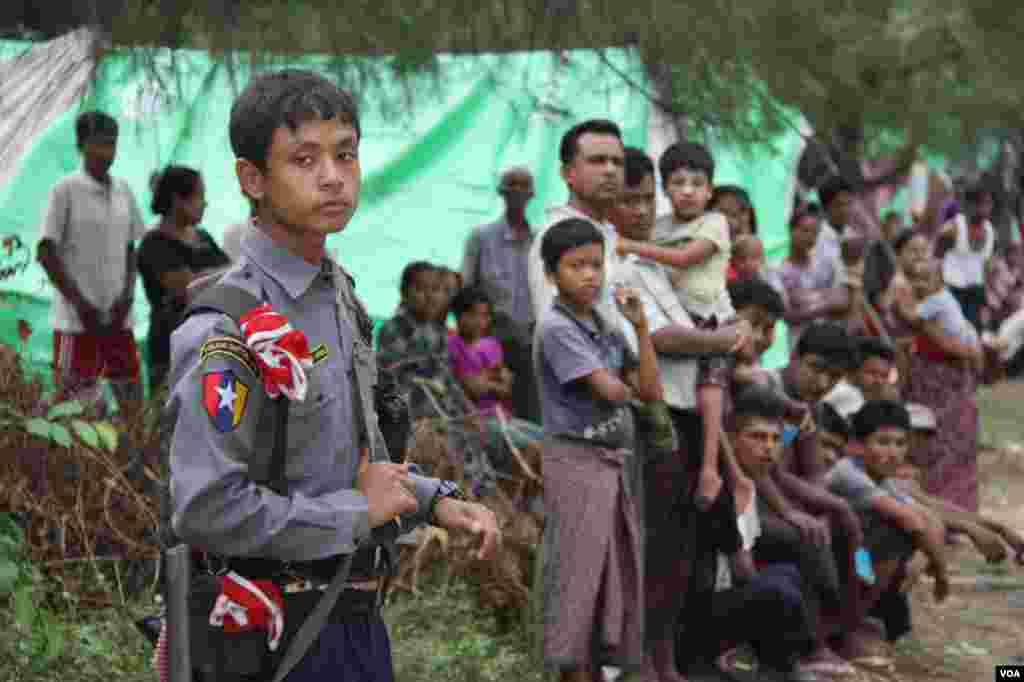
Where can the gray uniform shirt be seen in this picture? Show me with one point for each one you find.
(224, 416)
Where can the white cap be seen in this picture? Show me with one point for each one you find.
(846, 399)
(922, 418)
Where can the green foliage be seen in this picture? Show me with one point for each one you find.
(55, 426)
(22, 585)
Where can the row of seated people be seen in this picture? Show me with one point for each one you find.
(823, 538)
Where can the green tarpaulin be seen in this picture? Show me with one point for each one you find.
(429, 173)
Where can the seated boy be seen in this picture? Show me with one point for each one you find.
(990, 537)
(872, 377)
(802, 523)
(894, 526)
(413, 345)
(763, 605)
(413, 342)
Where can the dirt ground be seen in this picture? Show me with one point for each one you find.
(981, 624)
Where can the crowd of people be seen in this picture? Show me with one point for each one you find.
(696, 503)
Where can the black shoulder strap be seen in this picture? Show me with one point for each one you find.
(235, 302)
(223, 298)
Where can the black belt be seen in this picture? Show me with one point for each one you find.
(258, 568)
(365, 566)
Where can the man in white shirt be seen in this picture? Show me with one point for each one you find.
(86, 247)
(669, 518)
(592, 167)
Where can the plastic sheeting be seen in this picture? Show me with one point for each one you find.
(429, 174)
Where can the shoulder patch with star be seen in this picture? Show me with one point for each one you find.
(225, 398)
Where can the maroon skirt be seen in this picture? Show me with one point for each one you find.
(950, 462)
(593, 579)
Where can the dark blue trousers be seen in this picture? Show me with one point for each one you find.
(357, 650)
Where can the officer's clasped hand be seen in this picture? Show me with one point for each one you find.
(388, 488)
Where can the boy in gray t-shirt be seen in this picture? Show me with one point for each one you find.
(894, 527)
(592, 539)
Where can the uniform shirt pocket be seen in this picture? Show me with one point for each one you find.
(313, 427)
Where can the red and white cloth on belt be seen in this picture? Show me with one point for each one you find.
(246, 604)
(242, 605)
(281, 350)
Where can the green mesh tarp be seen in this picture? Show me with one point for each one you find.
(430, 161)
(430, 167)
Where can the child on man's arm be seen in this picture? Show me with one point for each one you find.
(695, 243)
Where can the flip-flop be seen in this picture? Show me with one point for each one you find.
(875, 662)
(836, 668)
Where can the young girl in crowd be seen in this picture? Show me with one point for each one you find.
(478, 363)
(593, 579)
(734, 203)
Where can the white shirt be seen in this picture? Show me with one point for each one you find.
(828, 249)
(962, 266)
(91, 225)
(749, 525)
(663, 307)
(543, 291)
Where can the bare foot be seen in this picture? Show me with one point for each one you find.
(826, 662)
(857, 645)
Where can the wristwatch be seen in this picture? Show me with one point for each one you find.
(447, 489)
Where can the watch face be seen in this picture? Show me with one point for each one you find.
(450, 489)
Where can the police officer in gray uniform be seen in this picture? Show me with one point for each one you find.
(295, 136)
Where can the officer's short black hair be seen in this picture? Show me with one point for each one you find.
(757, 402)
(412, 271)
(467, 298)
(829, 420)
(828, 340)
(873, 347)
(566, 235)
(692, 156)
(831, 189)
(570, 145)
(754, 291)
(174, 181)
(878, 414)
(638, 166)
(289, 97)
(93, 125)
